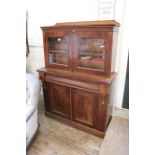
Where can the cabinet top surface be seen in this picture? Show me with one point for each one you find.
(98, 23)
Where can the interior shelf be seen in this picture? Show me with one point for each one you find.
(58, 51)
(91, 54)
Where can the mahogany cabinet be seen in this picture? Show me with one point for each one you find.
(77, 76)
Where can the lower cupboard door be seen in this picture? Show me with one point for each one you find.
(60, 100)
(88, 109)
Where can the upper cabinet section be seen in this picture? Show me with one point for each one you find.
(81, 46)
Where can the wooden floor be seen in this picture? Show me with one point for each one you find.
(55, 138)
(116, 141)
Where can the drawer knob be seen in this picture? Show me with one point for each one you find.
(73, 30)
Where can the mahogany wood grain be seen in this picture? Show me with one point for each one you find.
(59, 98)
(46, 95)
(91, 78)
(73, 35)
(79, 96)
(100, 113)
(83, 103)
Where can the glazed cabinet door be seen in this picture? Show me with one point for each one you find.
(59, 100)
(57, 48)
(91, 52)
(88, 109)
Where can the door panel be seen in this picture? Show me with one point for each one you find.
(83, 107)
(89, 109)
(90, 52)
(58, 49)
(60, 100)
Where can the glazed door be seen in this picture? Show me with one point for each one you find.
(90, 52)
(60, 100)
(58, 49)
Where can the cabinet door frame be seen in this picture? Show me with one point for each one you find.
(92, 35)
(99, 107)
(61, 33)
(51, 101)
(77, 120)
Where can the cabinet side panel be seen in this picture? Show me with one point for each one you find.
(110, 103)
(46, 96)
(114, 52)
(45, 49)
(100, 113)
(108, 53)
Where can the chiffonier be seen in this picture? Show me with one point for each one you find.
(77, 76)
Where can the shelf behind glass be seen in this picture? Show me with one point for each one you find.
(58, 50)
(91, 53)
(58, 58)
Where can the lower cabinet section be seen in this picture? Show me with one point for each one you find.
(83, 109)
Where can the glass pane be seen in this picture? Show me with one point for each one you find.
(91, 53)
(58, 50)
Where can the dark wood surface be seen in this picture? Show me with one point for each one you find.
(77, 101)
(43, 72)
(59, 98)
(79, 96)
(73, 33)
(83, 104)
(46, 94)
(87, 24)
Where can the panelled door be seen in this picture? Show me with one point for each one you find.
(83, 104)
(60, 100)
(89, 109)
